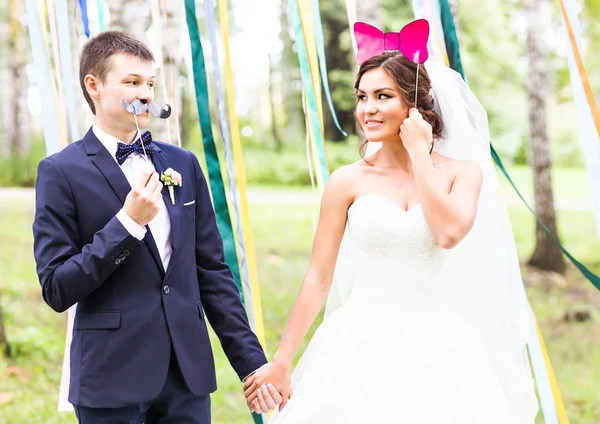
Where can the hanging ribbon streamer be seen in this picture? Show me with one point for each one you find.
(540, 362)
(587, 109)
(101, 17)
(241, 174)
(352, 19)
(66, 64)
(173, 81)
(320, 42)
(424, 9)
(62, 112)
(539, 358)
(310, 83)
(43, 75)
(52, 137)
(212, 30)
(450, 38)
(84, 17)
(159, 59)
(210, 150)
(61, 125)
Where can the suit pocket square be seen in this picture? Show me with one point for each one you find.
(189, 203)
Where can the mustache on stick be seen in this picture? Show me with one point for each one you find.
(137, 107)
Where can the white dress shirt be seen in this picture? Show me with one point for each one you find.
(160, 226)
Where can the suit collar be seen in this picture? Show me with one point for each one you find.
(96, 139)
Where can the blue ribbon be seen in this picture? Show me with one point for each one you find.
(320, 41)
(84, 17)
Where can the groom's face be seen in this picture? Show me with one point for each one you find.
(380, 108)
(129, 78)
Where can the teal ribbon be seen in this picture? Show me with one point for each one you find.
(308, 88)
(454, 52)
(210, 150)
(101, 19)
(320, 41)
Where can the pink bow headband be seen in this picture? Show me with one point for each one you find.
(411, 41)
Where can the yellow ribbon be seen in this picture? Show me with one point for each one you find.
(558, 401)
(306, 19)
(241, 175)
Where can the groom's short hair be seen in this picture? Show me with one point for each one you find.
(96, 56)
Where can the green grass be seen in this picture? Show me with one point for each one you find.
(283, 238)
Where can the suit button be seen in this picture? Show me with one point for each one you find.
(117, 261)
(166, 289)
(122, 257)
(126, 252)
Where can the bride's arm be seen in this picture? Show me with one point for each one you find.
(315, 286)
(449, 215)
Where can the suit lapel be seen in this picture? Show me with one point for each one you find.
(107, 165)
(118, 182)
(161, 164)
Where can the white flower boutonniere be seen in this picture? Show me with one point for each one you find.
(171, 178)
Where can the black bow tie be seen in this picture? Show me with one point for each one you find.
(124, 150)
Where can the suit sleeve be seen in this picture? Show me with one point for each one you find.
(69, 272)
(218, 291)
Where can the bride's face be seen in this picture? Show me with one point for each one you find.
(380, 109)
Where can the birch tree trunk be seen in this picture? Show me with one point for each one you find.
(547, 255)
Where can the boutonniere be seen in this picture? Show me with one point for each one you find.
(171, 178)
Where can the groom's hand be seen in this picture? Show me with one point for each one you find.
(143, 201)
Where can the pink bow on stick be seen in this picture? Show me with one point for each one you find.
(411, 41)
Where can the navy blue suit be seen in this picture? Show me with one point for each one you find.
(131, 313)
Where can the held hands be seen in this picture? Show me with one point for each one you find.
(144, 200)
(416, 133)
(268, 387)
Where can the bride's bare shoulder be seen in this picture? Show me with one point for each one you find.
(454, 166)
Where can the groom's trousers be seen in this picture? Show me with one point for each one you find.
(175, 405)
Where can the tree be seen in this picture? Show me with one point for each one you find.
(547, 255)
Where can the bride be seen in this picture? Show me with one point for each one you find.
(426, 320)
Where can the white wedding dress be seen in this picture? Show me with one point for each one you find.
(395, 352)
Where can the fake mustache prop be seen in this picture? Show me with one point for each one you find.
(137, 107)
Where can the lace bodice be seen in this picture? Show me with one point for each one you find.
(393, 255)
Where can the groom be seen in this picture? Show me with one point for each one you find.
(145, 271)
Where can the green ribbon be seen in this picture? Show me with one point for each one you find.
(210, 150)
(593, 278)
(455, 63)
(308, 88)
(450, 38)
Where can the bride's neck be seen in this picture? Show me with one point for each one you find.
(393, 155)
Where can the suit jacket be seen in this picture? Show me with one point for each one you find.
(130, 310)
